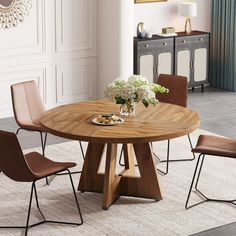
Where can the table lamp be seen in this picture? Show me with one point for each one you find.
(188, 9)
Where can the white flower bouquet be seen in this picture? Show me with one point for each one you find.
(136, 89)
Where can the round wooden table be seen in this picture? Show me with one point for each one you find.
(162, 122)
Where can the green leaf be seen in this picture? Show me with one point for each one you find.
(120, 100)
(145, 103)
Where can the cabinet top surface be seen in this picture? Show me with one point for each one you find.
(179, 34)
(193, 33)
(164, 121)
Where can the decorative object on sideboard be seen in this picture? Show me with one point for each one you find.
(141, 32)
(13, 11)
(167, 32)
(146, 1)
(188, 10)
(149, 34)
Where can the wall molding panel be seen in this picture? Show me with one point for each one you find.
(75, 25)
(82, 88)
(56, 46)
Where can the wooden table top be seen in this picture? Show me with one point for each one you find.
(164, 121)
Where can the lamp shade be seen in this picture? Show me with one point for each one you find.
(188, 9)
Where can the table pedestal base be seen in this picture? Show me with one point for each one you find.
(125, 183)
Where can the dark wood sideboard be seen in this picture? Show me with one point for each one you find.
(186, 55)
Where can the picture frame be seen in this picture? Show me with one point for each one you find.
(148, 1)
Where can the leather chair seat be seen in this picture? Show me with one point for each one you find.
(42, 166)
(33, 127)
(217, 146)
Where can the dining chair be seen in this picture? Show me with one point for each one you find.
(210, 146)
(31, 168)
(178, 95)
(28, 108)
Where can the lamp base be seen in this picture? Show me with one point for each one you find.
(188, 26)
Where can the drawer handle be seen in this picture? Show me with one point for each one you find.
(201, 39)
(183, 41)
(146, 46)
(164, 44)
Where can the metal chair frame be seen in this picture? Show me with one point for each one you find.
(200, 162)
(120, 163)
(43, 141)
(33, 190)
(168, 160)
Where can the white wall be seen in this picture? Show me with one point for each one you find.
(56, 46)
(162, 14)
(115, 41)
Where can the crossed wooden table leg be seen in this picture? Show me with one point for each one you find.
(125, 183)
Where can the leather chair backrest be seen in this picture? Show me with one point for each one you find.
(12, 160)
(27, 103)
(178, 89)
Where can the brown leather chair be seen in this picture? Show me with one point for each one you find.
(30, 168)
(28, 108)
(208, 146)
(178, 95)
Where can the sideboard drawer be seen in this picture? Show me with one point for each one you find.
(187, 40)
(161, 43)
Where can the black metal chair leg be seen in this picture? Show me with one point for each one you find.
(167, 160)
(57, 222)
(186, 159)
(191, 146)
(29, 210)
(43, 141)
(191, 186)
(18, 131)
(199, 172)
(206, 199)
(43, 145)
(81, 148)
(76, 200)
(27, 226)
(121, 164)
(28, 216)
(173, 160)
(37, 202)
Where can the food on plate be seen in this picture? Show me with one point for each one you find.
(108, 119)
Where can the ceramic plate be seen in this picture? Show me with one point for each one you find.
(94, 120)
